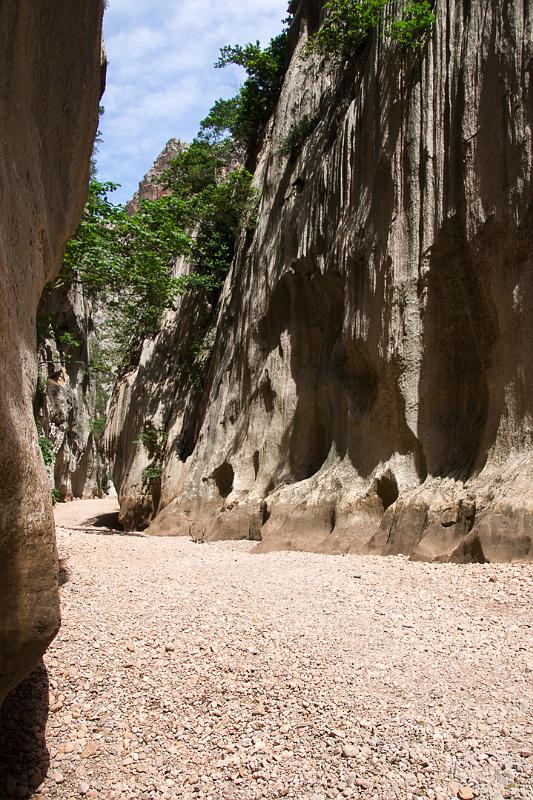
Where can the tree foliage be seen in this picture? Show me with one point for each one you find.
(415, 24)
(125, 261)
(243, 117)
(219, 201)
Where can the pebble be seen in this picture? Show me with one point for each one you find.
(349, 751)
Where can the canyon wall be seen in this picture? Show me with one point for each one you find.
(72, 392)
(370, 378)
(51, 79)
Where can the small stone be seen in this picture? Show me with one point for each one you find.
(57, 776)
(83, 788)
(170, 648)
(465, 793)
(338, 734)
(90, 750)
(349, 751)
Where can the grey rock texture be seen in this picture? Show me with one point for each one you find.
(371, 380)
(50, 83)
(72, 394)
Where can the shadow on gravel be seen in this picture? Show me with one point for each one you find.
(107, 525)
(108, 521)
(64, 574)
(24, 757)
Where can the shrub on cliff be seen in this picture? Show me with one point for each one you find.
(349, 23)
(415, 24)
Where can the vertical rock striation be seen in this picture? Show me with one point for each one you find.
(371, 378)
(50, 83)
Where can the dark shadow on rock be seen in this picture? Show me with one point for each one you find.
(24, 757)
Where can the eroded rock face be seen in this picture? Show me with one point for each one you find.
(50, 83)
(371, 379)
(72, 395)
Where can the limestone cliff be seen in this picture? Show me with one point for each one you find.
(50, 83)
(71, 398)
(370, 381)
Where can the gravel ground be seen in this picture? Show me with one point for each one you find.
(185, 670)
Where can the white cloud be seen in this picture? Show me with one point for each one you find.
(161, 79)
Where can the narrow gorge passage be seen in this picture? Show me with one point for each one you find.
(266, 415)
(185, 670)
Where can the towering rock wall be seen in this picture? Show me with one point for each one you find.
(50, 83)
(371, 379)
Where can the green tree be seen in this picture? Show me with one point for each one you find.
(243, 117)
(125, 262)
(347, 25)
(219, 199)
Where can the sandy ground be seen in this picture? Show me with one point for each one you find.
(185, 670)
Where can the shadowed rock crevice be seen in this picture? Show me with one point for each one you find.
(460, 333)
(224, 477)
(386, 488)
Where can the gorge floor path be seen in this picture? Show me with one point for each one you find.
(188, 670)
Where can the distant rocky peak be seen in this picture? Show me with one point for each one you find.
(149, 187)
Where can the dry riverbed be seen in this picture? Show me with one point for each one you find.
(185, 670)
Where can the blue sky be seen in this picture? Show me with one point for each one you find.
(161, 82)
